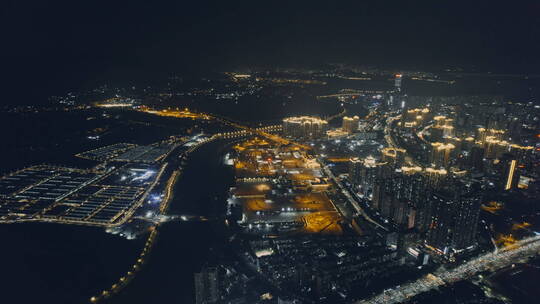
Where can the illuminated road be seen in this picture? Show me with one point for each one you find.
(389, 137)
(387, 131)
(283, 141)
(488, 262)
(272, 137)
(135, 206)
(162, 218)
(349, 197)
(229, 122)
(157, 219)
(340, 114)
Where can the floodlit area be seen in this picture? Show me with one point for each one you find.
(281, 189)
(177, 113)
(73, 196)
(147, 154)
(107, 152)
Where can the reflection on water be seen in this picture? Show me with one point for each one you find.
(182, 248)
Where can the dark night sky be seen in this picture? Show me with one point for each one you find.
(48, 47)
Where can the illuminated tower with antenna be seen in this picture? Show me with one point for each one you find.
(397, 82)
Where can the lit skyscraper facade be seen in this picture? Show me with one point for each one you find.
(454, 213)
(350, 124)
(397, 82)
(305, 127)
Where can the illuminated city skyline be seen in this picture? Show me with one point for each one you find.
(270, 153)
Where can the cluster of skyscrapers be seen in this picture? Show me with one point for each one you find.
(431, 188)
(410, 179)
(479, 151)
(425, 202)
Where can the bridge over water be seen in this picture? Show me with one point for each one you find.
(161, 218)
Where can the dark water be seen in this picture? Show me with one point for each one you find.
(53, 263)
(54, 137)
(182, 248)
(267, 108)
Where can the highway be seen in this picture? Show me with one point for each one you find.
(491, 261)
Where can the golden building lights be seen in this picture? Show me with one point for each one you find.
(350, 124)
(440, 155)
(411, 170)
(415, 115)
(410, 124)
(439, 121)
(435, 176)
(448, 131)
(370, 162)
(511, 173)
(494, 147)
(304, 126)
(393, 156)
(483, 134)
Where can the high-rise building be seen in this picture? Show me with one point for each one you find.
(411, 188)
(435, 177)
(440, 154)
(363, 173)
(384, 197)
(207, 286)
(508, 177)
(355, 166)
(494, 147)
(400, 195)
(381, 188)
(390, 101)
(515, 126)
(523, 154)
(397, 82)
(476, 158)
(415, 116)
(368, 175)
(439, 121)
(400, 211)
(454, 213)
(304, 127)
(456, 141)
(467, 144)
(448, 131)
(481, 134)
(437, 133)
(466, 221)
(350, 124)
(496, 121)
